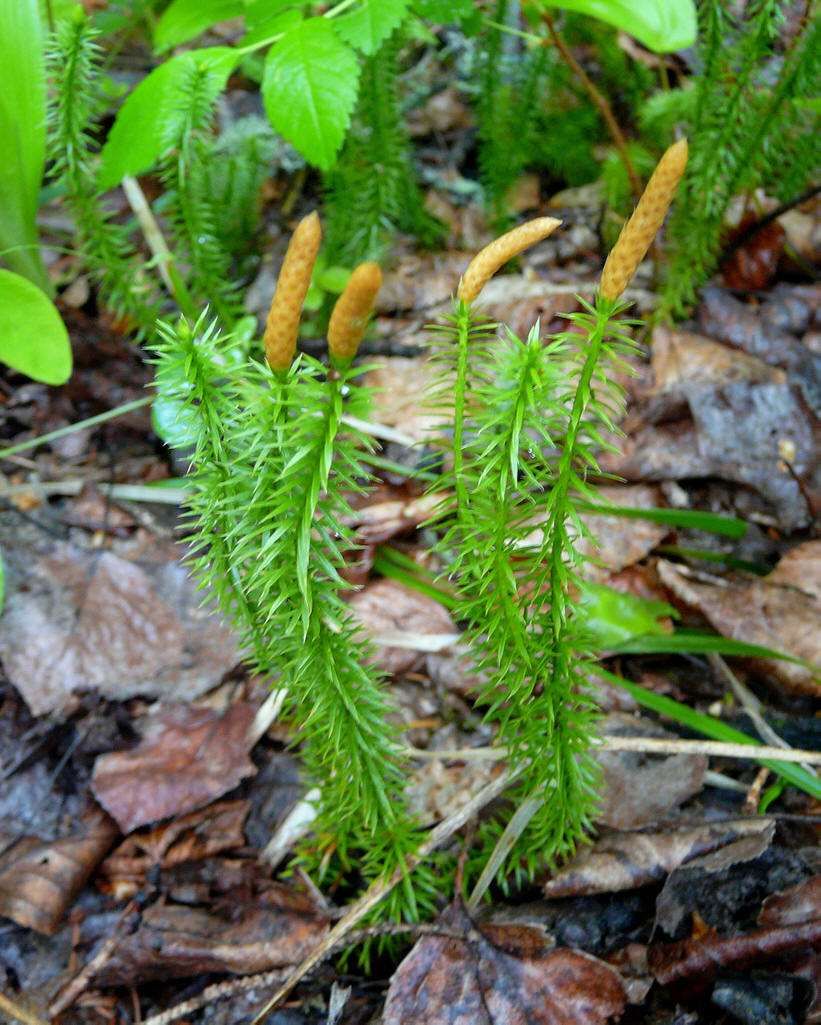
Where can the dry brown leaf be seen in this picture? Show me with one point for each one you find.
(626, 861)
(39, 879)
(500, 975)
(202, 834)
(621, 542)
(380, 521)
(801, 903)
(278, 928)
(187, 757)
(437, 790)
(388, 609)
(77, 619)
(401, 385)
(779, 611)
(683, 360)
(639, 789)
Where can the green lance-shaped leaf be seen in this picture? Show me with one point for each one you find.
(33, 338)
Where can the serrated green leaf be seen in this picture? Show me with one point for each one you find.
(265, 19)
(33, 338)
(23, 130)
(146, 120)
(369, 25)
(309, 89)
(185, 19)
(661, 25)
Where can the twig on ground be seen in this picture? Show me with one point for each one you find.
(18, 1013)
(382, 887)
(61, 432)
(219, 991)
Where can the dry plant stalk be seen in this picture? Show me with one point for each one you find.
(638, 233)
(282, 325)
(485, 264)
(352, 310)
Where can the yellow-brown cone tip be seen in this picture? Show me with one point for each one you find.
(485, 264)
(638, 233)
(352, 310)
(282, 325)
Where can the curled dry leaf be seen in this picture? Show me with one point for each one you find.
(380, 521)
(39, 879)
(202, 834)
(187, 757)
(779, 611)
(639, 789)
(500, 975)
(801, 903)
(278, 928)
(626, 861)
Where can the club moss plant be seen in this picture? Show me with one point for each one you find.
(275, 465)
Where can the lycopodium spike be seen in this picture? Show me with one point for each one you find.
(282, 326)
(639, 232)
(485, 264)
(352, 310)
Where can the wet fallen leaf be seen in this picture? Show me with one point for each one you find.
(406, 623)
(202, 834)
(779, 611)
(752, 265)
(187, 757)
(121, 624)
(275, 929)
(625, 861)
(39, 879)
(801, 903)
(500, 975)
(638, 789)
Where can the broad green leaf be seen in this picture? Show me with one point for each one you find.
(613, 617)
(23, 131)
(33, 338)
(661, 25)
(184, 19)
(709, 726)
(149, 117)
(266, 19)
(309, 89)
(370, 23)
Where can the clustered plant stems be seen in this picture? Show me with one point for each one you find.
(528, 418)
(274, 460)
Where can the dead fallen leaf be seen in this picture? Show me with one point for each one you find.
(121, 624)
(278, 928)
(626, 861)
(639, 789)
(779, 611)
(680, 897)
(620, 542)
(725, 318)
(202, 834)
(437, 790)
(801, 903)
(39, 879)
(400, 386)
(500, 975)
(392, 612)
(378, 522)
(187, 757)
(683, 360)
(752, 265)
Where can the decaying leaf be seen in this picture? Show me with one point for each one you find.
(188, 757)
(500, 975)
(404, 623)
(639, 789)
(277, 929)
(202, 834)
(39, 879)
(438, 790)
(121, 624)
(780, 611)
(625, 861)
(801, 903)
(621, 542)
(400, 384)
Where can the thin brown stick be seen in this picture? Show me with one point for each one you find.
(219, 991)
(382, 887)
(599, 101)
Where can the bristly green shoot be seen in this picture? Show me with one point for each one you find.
(74, 61)
(270, 473)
